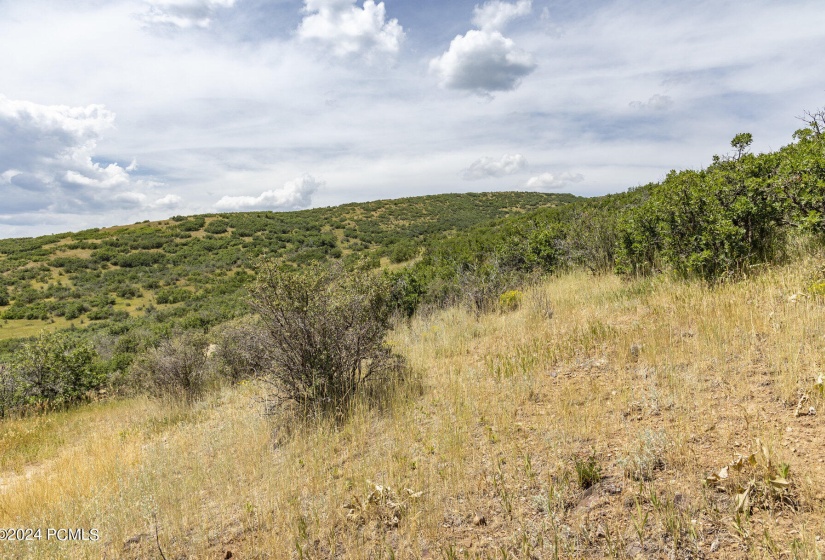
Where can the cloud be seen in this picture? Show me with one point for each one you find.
(483, 62)
(294, 195)
(346, 29)
(550, 181)
(184, 14)
(47, 160)
(494, 15)
(657, 102)
(491, 167)
(168, 201)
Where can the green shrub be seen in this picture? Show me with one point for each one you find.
(326, 327)
(75, 309)
(217, 226)
(140, 259)
(128, 291)
(403, 251)
(172, 295)
(588, 471)
(55, 369)
(71, 264)
(192, 224)
(11, 390)
(710, 223)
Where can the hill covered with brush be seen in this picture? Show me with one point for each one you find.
(633, 375)
(189, 272)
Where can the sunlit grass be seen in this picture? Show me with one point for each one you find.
(676, 376)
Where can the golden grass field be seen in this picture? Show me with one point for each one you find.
(644, 388)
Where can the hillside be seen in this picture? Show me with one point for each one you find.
(502, 375)
(588, 423)
(188, 271)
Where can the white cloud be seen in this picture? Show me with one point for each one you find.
(657, 102)
(550, 181)
(494, 14)
(347, 29)
(48, 158)
(226, 111)
(483, 62)
(294, 195)
(184, 14)
(168, 201)
(491, 167)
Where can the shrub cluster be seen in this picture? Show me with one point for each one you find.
(175, 368)
(52, 370)
(326, 326)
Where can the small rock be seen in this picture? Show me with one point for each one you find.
(613, 488)
(634, 550)
(714, 546)
(479, 520)
(228, 555)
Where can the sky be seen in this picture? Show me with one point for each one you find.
(118, 111)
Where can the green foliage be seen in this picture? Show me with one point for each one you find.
(817, 288)
(128, 291)
(54, 369)
(403, 251)
(407, 293)
(217, 227)
(172, 295)
(741, 142)
(192, 224)
(11, 390)
(140, 259)
(708, 223)
(510, 300)
(71, 264)
(588, 470)
(326, 327)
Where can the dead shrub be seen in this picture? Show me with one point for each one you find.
(175, 369)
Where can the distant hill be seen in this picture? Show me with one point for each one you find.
(187, 271)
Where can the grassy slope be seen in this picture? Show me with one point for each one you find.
(51, 273)
(668, 375)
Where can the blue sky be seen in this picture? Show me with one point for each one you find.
(116, 111)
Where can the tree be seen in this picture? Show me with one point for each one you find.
(741, 142)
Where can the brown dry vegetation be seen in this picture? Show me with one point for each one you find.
(656, 384)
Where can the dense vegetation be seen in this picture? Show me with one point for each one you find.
(716, 224)
(136, 288)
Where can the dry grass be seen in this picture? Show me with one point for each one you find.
(22, 328)
(655, 384)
